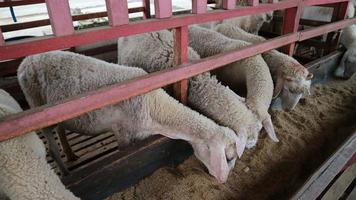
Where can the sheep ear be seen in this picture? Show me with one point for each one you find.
(218, 163)
(310, 76)
(267, 124)
(278, 87)
(240, 142)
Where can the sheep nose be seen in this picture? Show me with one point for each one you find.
(269, 17)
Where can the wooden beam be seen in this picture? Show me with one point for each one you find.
(291, 24)
(229, 4)
(199, 6)
(60, 17)
(117, 12)
(320, 2)
(163, 8)
(180, 57)
(4, 4)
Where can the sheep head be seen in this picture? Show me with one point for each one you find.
(291, 84)
(219, 153)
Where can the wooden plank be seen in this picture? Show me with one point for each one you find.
(326, 173)
(199, 6)
(180, 57)
(117, 12)
(163, 8)
(341, 184)
(252, 2)
(319, 2)
(4, 3)
(229, 4)
(352, 195)
(291, 24)
(60, 17)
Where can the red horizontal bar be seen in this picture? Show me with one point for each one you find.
(21, 123)
(310, 33)
(12, 50)
(320, 2)
(19, 2)
(45, 22)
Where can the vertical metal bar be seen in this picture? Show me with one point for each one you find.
(290, 24)
(180, 57)
(252, 2)
(199, 6)
(2, 41)
(60, 17)
(163, 8)
(146, 9)
(339, 13)
(118, 13)
(229, 4)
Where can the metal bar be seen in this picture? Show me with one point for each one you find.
(252, 2)
(320, 2)
(199, 6)
(291, 24)
(163, 8)
(310, 33)
(60, 17)
(19, 3)
(117, 12)
(180, 57)
(229, 4)
(2, 41)
(45, 22)
(41, 44)
(146, 9)
(21, 123)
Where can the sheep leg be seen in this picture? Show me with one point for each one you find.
(122, 136)
(54, 149)
(65, 145)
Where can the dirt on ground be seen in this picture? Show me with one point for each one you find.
(308, 136)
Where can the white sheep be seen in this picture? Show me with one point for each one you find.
(347, 66)
(292, 80)
(252, 72)
(154, 52)
(54, 76)
(250, 23)
(24, 172)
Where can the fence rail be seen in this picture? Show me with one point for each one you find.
(64, 38)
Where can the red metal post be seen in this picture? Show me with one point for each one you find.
(60, 17)
(118, 12)
(146, 9)
(291, 24)
(180, 57)
(2, 41)
(199, 6)
(229, 4)
(163, 8)
(253, 2)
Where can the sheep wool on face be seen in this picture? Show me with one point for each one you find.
(24, 172)
(52, 74)
(154, 52)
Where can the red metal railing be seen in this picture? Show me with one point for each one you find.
(47, 115)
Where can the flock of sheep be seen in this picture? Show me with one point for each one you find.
(219, 128)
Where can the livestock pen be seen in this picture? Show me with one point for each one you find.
(101, 169)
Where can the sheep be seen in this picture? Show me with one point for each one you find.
(252, 71)
(292, 80)
(347, 66)
(54, 76)
(154, 52)
(250, 23)
(24, 172)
